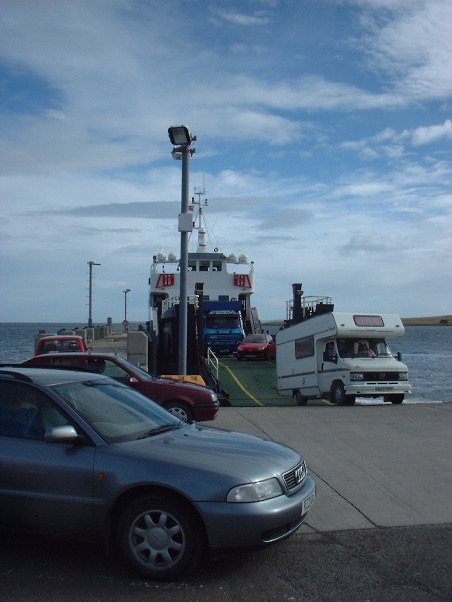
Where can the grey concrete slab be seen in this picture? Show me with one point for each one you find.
(374, 466)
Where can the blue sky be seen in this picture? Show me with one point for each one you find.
(324, 134)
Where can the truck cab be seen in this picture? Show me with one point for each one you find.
(222, 325)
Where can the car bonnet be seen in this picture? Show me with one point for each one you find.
(238, 455)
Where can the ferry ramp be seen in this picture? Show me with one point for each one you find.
(252, 383)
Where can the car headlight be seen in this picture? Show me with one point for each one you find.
(356, 376)
(255, 492)
(214, 396)
(403, 375)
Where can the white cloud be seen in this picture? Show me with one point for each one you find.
(426, 135)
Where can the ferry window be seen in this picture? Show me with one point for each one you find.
(223, 297)
(204, 266)
(192, 266)
(304, 347)
(368, 320)
(216, 266)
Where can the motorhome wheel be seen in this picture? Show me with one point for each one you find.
(338, 396)
(301, 401)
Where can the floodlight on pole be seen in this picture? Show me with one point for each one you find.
(181, 138)
(125, 322)
(90, 312)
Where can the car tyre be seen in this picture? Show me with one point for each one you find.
(301, 401)
(180, 410)
(338, 396)
(160, 537)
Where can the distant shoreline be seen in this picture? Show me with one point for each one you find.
(431, 321)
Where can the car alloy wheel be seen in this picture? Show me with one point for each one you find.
(159, 537)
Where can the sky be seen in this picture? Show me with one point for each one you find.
(324, 138)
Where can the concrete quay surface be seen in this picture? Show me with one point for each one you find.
(374, 466)
(379, 531)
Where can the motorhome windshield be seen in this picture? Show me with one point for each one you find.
(363, 348)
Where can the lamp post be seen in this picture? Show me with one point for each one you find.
(125, 322)
(181, 139)
(90, 313)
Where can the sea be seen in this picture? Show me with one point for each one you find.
(426, 350)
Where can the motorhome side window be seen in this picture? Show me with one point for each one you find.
(304, 347)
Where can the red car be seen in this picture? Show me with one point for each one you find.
(257, 346)
(188, 401)
(60, 343)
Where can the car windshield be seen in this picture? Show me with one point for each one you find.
(254, 338)
(143, 374)
(116, 412)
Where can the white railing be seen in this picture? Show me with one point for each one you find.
(212, 361)
(310, 301)
(168, 303)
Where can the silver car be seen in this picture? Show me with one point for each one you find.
(83, 455)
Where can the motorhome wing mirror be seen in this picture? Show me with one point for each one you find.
(327, 357)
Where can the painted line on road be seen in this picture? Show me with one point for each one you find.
(241, 386)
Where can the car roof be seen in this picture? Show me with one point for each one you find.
(47, 376)
(60, 336)
(81, 354)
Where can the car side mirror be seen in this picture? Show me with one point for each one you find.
(132, 380)
(61, 434)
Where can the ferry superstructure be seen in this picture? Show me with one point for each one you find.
(223, 277)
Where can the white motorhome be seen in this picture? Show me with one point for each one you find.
(341, 356)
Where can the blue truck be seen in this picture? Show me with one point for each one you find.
(222, 325)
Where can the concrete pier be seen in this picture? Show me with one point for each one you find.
(375, 466)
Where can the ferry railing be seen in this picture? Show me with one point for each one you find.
(310, 301)
(212, 362)
(168, 303)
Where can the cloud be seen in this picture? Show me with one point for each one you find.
(411, 43)
(426, 135)
(242, 19)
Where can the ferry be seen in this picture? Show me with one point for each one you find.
(211, 274)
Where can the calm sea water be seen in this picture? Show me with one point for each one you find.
(427, 351)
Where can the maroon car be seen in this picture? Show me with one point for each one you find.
(188, 401)
(257, 346)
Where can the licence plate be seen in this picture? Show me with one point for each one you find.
(384, 388)
(307, 503)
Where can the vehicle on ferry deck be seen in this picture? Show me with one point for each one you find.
(186, 400)
(84, 456)
(257, 347)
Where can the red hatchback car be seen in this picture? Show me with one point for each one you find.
(188, 401)
(60, 344)
(257, 346)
